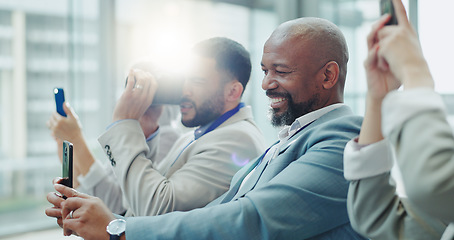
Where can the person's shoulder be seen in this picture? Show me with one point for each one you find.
(342, 123)
(339, 127)
(341, 117)
(241, 127)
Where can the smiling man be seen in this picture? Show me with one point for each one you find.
(296, 188)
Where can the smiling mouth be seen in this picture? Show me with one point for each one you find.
(185, 107)
(277, 100)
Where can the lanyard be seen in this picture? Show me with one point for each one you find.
(214, 125)
(220, 120)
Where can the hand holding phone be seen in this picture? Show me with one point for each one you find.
(59, 100)
(67, 164)
(386, 6)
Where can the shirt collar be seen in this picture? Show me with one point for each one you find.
(201, 130)
(306, 119)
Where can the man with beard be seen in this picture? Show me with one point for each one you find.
(296, 189)
(199, 166)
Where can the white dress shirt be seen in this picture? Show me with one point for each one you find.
(288, 131)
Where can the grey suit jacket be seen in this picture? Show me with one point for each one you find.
(191, 175)
(301, 194)
(378, 213)
(414, 122)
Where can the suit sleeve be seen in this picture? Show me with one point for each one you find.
(101, 182)
(306, 199)
(425, 150)
(378, 213)
(205, 175)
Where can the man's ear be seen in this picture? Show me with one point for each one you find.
(233, 91)
(331, 74)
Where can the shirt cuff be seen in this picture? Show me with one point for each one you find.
(153, 135)
(363, 161)
(92, 178)
(400, 106)
(118, 121)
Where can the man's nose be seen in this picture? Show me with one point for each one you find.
(269, 82)
(187, 89)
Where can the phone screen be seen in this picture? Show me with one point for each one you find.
(67, 168)
(386, 6)
(59, 100)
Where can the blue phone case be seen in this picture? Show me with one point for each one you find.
(59, 100)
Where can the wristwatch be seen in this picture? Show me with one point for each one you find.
(116, 228)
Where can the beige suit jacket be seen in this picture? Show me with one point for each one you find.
(184, 179)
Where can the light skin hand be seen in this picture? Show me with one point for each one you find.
(400, 52)
(90, 215)
(149, 120)
(69, 128)
(379, 82)
(137, 96)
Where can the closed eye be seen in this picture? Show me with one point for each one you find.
(282, 72)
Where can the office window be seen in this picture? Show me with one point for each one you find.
(40, 50)
(436, 42)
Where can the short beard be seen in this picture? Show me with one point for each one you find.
(294, 111)
(208, 111)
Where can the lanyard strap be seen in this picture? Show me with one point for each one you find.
(213, 126)
(220, 120)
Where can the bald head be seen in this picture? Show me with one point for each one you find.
(305, 66)
(323, 40)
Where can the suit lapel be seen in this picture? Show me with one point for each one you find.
(261, 171)
(236, 182)
(255, 177)
(239, 177)
(250, 183)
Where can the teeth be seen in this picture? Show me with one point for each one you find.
(277, 100)
(185, 105)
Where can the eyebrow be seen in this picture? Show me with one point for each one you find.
(197, 79)
(278, 65)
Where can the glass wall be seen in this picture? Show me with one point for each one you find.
(87, 46)
(43, 44)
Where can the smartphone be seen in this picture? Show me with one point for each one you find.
(59, 100)
(386, 6)
(67, 165)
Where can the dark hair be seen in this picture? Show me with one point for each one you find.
(230, 56)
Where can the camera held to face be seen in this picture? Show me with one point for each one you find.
(170, 89)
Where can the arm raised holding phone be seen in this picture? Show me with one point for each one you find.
(69, 128)
(376, 208)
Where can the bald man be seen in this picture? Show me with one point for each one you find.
(296, 189)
